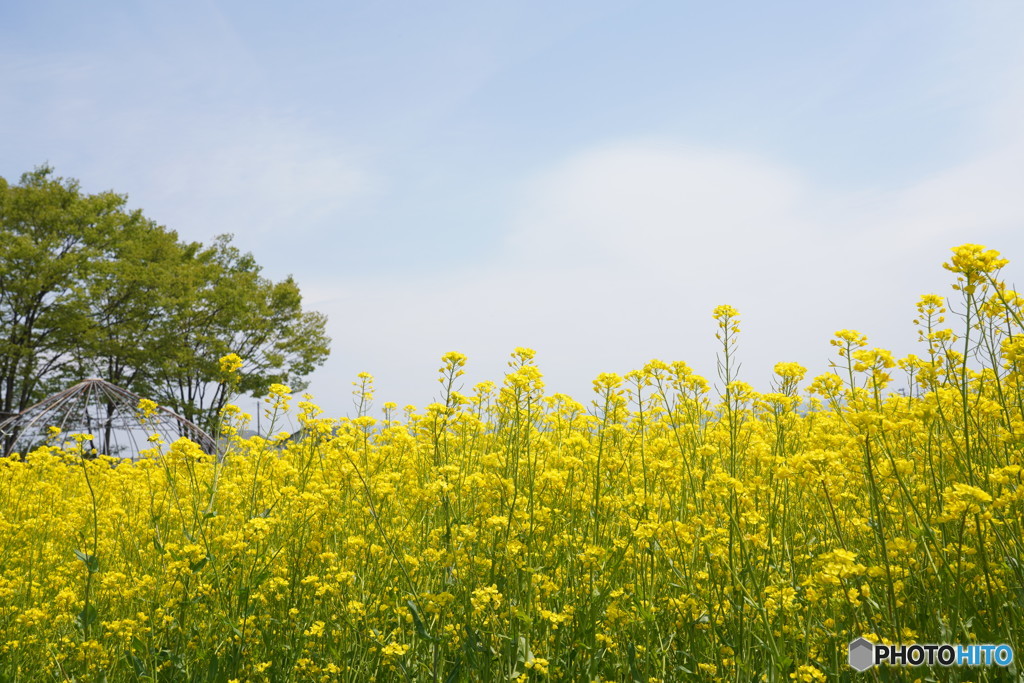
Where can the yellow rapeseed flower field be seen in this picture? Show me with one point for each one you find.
(663, 531)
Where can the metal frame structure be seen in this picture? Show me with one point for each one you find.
(107, 411)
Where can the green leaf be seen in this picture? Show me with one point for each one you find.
(231, 626)
(634, 672)
(137, 664)
(453, 675)
(212, 669)
(417, 618)
(523, 651)
(87, 617)
(92, 563)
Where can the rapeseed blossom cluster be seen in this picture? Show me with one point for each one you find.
(660, 531)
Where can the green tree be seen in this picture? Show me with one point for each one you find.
(228, 306)
(51, 237)
(88, 288)
(129, 290)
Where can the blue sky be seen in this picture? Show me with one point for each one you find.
(586, 178)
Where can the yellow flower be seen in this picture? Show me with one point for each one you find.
(538, 665)
(964, 499)
(395, 650)
(724, 312)
(484, 598)
(790, 371)
(607, 381)
(848, 340)
(230, 364)
(972, 259)
(806, 673)
(147, 408)
(517, 519)
(279, 391)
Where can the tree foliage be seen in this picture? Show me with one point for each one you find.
(89, 288)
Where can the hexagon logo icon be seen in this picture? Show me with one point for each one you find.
(862, 654)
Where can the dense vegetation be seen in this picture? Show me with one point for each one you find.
(659, 533)
(89, 288)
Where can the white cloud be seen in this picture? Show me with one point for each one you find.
(619, 254)
(654, 202)
(978, 197)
